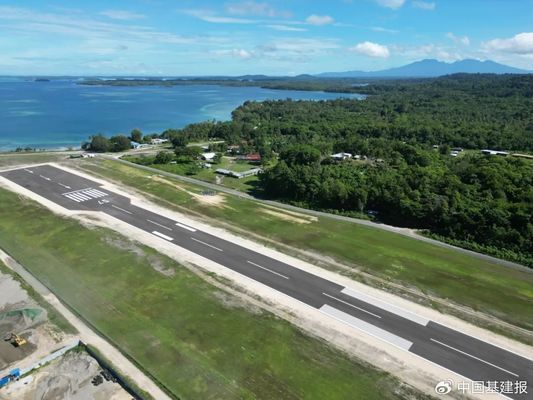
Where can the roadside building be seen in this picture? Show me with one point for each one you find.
(208, 156)
(238, 175)
(158, 141)
(342, 156)
(251, 157)
(489, 152)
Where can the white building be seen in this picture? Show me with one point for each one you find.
(341, 156)
(208, 156)
(158, 141)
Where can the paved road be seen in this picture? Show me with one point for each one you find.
(463, 354)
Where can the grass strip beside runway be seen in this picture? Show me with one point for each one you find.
(447, 274)
(200, 342)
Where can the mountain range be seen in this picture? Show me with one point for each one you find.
(431, 68)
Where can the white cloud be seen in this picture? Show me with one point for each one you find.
(381, 29)
(371, 49)
(428, 51)
(209, 16)
(319, 19)
(286, 28)
(237, 53)
(424, 5)
(394, 4)
(521, 43)
(255, 8)
(122, 15)
(464, 40)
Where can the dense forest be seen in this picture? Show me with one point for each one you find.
(404, 172)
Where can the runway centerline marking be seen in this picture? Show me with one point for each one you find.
(162, 236)
(267, 269)
(206, 244)
(28, 170)
(186, 227)
(474, 357)
(351, 305)
(160, 225)
(121, 209)
(46, 178)
(65, 186)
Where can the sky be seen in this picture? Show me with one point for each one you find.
(274, 37)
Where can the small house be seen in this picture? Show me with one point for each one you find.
(208, 156)
(341, 156)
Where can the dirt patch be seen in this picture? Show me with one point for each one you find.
(238, 302)
(287, 216)
(153, 261)
(66, 378)
(216, 200)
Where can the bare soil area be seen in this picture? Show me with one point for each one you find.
(69, 377)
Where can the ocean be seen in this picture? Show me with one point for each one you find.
(62, 114)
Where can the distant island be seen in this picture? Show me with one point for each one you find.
(338, 82)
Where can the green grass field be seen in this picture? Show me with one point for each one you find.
(198, 341)
(11, 159)
(484, 286)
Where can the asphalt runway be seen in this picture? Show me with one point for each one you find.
(491, 368)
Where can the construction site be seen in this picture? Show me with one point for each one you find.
(39, 360)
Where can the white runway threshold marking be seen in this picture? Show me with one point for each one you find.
(186, 227)
(160, 225)
(474, 357)
(366, 327)
(162, 236)
(267, 269)
(121, 209)
(385, 306)
(351, 305)
(82, 195)
(206, 244)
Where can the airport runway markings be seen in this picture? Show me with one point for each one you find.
(161, 235)
(267, 269)
(351, 305)
(79, 196)
(121, 209)
(186, 227)
(206, 244)
(474, 357)
(160, 225)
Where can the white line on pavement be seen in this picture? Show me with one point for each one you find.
(44, 177)
(385, 306)
(269, 270)
(370, 329)
(351, 305)
(158, 224)
(474, 357)
(186, 227)
(72, 198)
(162, 236)
(65, 186)
(121, 209)
(28, 170)
(206, 244)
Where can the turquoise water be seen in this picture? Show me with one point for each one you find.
(60, 113)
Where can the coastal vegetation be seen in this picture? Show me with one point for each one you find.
(404, 170)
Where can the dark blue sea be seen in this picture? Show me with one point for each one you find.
(61, 114)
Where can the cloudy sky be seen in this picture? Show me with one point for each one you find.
(234, 37)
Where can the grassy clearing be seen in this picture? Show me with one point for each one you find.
(247, 184)
(11, 159)
(53, 316)
(199, 341)
(496, 290)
